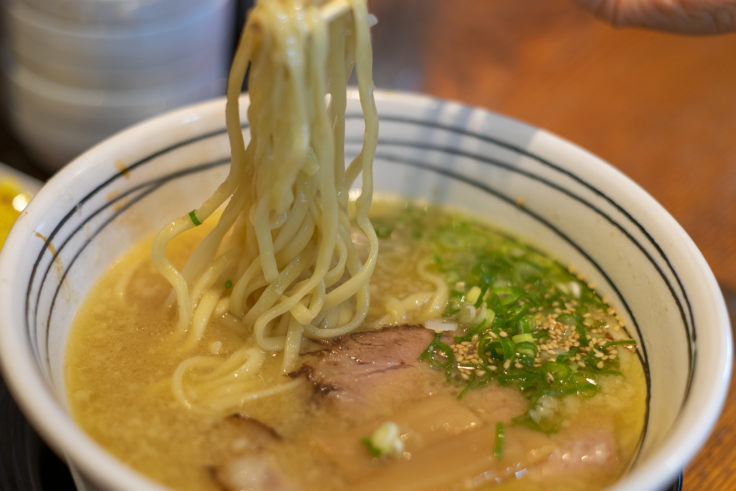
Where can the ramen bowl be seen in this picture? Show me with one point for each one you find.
(523, 180)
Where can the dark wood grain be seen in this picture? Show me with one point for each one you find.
(660, 107)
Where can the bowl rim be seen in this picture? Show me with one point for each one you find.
(31, 17)
(56, 426)
(105, 11)
(69, 98)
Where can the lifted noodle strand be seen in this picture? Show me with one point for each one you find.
(283, 241)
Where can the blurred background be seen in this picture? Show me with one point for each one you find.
(77, 71)
(659, 107)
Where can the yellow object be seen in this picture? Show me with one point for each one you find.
(13, 199)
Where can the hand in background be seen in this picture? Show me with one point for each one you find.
(682, 16)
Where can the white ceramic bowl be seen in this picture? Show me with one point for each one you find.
(57, 122)
(115, 11)
(575, 206)
(179, 48)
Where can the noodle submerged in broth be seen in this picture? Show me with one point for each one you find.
(120, 364)
(260, 341)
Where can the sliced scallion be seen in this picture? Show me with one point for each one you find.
(524, 337)
(373, 451)
(500, 440)
(622, 342)
(193, 218)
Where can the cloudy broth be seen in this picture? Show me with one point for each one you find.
(539, 386)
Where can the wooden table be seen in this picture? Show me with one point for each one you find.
(660, 107)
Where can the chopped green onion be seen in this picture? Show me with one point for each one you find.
(527, 324)
(500, 439)
(372, 450)
(525, 337)
(228, 284)
(526, 351)
(507, 348)
(386, 440)
(439, 355)
(473, 295)
(193, 218)
(556, 370)
(508, 295)
(623, 342)
(524, 319)
(488, 317)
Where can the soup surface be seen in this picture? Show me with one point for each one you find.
(530, 381)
